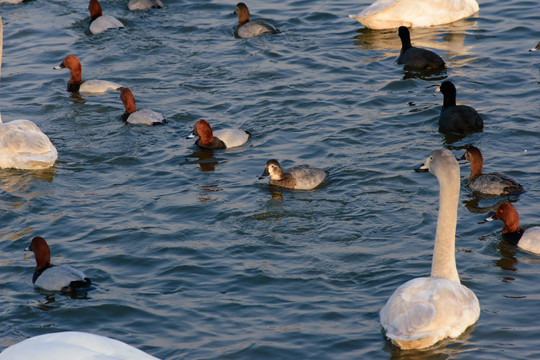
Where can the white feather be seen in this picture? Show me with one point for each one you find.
(389, 14)
(72, 345)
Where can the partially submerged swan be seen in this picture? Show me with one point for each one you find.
(391, 14)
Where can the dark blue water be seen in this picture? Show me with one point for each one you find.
(193, 257)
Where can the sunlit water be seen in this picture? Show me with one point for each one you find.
(191, 255)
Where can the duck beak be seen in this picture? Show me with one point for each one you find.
(61, 66)
(462, 157)
(264, 174)
(492, 215)
(191, 136)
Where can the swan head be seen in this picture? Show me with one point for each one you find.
(440, 162)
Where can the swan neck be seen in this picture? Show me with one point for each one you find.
(444, 253)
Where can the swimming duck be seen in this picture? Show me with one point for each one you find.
(22, 144)
(247, 28)
(527, 239)
(75, 83)
(489, 184)
(49, 277)
(134, 116)
(99, 22)
(300, 177)
(219, 139)
(390, 14)
(414, 57)
(425, 310)
(144, 4)
(457, 118)
(73, 345)
(537, 47)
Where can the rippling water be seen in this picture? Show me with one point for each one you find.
(192, 256)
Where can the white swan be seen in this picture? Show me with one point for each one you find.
(73, 345)
(22, 144)
(425, 310)
(389, 14)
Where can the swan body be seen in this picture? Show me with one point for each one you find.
(144, 4)
(22, 144)
(391, 14)
(73, 345)
(425, 310)
(301, 177)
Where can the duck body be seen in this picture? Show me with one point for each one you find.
(144, 4)
(488, 184)
(494, 184)
(301, 177)
(219, 139)
(421, 312)
(103, 23)
(99, 22)
(61, 278)
(76, 84)
(247, 28)
(391, 14)
(416, 58)
(255, 28)
(73, 345)
(134, 116)
(425, 310)
(457, 118)
(144, 117)
(526, 239)
(24, 146)
(49, 277)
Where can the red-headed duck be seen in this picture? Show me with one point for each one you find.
(49, 277)
(100, 22)
(134, 116)
(425, 310)
(527, 239)
(537, 47)
(73, 345)
(390, 14)
(457, 118)
(247, 28)
(22, 144)
(144, 4)
(416, 58)
(75, 83)
(300, 177)
(489, 184)
(219, 139)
